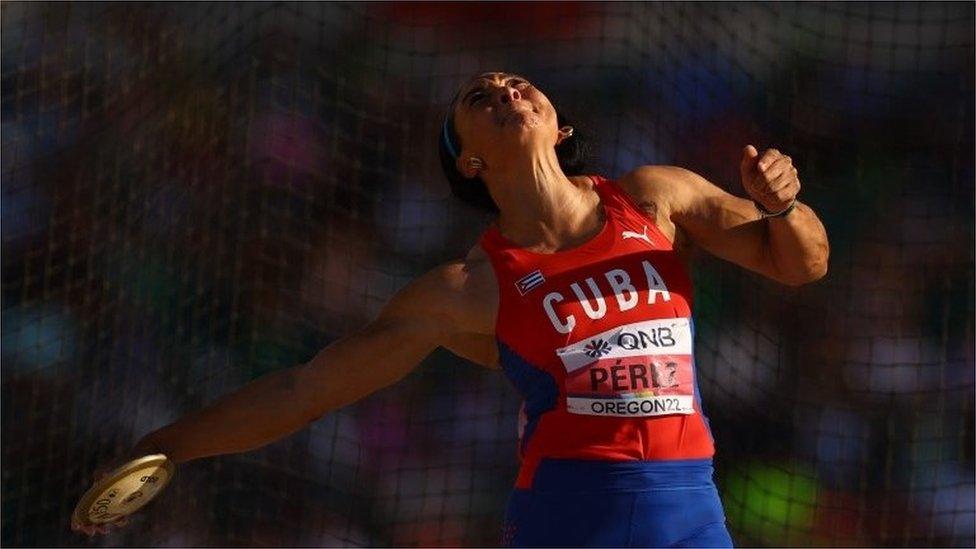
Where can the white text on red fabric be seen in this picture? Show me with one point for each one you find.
(590, 296)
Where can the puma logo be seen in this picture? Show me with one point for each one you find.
(643, 236)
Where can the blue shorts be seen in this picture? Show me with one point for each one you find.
(577, 503)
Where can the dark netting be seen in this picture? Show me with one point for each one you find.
(196, 194)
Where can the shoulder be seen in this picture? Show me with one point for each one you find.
(462, 291)
(661, 193)
(651, 174)
(456, 275)
(678, 190)
(658, 182)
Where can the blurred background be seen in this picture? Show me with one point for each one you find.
(194, 195)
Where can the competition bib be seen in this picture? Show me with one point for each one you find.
(635, 370)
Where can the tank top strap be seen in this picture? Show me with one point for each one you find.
(504, 257)
(615, 201)
(492, 242)
(622, 206)
(614, 197)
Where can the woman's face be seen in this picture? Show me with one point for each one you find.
(497, 115)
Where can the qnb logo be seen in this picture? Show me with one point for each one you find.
(639, 339)
(597, 348)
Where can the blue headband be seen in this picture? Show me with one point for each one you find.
(447, 139)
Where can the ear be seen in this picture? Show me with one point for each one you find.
(469, 166)
(565, 133)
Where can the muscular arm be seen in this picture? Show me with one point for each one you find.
(418, 319)
(791, 250)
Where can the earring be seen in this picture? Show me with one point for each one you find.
(566, 131)
(476, 163)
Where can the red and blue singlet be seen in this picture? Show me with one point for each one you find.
(598, 340)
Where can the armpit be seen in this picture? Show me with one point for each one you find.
(683, 246)
(649, 208)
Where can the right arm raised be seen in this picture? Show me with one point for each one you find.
(422, 316)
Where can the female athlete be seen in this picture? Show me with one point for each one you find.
(579, 291)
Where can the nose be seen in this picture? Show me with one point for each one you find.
(509, 94)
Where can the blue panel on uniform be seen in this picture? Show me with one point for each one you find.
(537, 387)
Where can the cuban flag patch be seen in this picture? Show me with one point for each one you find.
(529, 282)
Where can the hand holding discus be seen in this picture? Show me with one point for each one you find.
(120, 491)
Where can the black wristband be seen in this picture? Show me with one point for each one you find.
(766, 213)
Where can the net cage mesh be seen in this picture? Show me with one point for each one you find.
(194, 195)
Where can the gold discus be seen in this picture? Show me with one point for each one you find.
(124, 491)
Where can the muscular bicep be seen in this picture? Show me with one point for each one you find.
(478, 348)
(724, 225)
(710, 218)
(430, 312)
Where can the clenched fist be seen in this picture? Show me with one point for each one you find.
(769, 179)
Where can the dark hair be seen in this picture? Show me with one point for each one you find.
(472, 190)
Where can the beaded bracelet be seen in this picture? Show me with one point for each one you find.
(766, 213)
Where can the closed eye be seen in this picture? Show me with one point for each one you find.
(475, 97)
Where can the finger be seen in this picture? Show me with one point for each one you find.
(773, 178)
(761, 181)
(783, 182)
(784, 195)
(749, 155)
(755, 185)
(785, 190)
(778, 166)
(767, 158)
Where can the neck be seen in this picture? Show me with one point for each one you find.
(541, 207)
